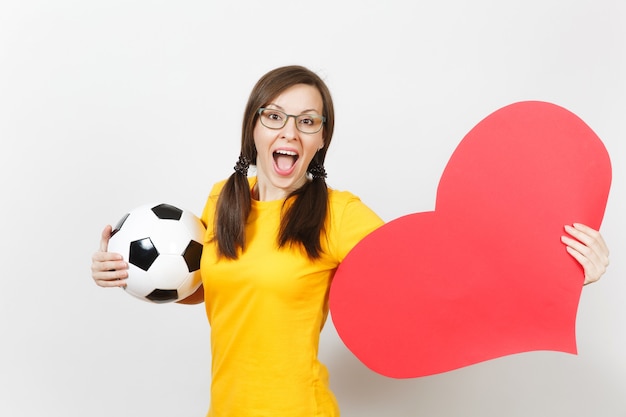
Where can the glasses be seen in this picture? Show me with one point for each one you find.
(276, 119)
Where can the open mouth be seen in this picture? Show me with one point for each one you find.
(285, 160)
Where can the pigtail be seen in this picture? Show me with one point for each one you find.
(233, 208)
(303, 222)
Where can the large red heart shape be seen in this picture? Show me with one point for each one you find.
(484, 275)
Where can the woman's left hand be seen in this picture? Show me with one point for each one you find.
(589, 249)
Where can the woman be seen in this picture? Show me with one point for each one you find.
(272, 245)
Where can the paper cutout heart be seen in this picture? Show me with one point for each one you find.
(484, 275)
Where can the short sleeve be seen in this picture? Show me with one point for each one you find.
(350, 221)
(208, 213)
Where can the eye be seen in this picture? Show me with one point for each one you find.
(307, 120)
(273, 115)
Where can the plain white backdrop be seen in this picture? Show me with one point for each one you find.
(105, 105)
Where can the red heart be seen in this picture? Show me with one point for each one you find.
(485, 274)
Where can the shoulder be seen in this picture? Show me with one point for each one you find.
(217, 188)
(341, 198)
(213, 197)
(344, 204)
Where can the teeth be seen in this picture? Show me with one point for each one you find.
(290, 153)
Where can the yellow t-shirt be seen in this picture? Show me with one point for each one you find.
(267, 308)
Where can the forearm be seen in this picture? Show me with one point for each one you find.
(196, 298)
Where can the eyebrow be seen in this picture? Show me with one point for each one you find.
(307, 111)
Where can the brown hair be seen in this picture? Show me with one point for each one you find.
(303, 221)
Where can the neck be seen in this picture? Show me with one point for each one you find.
(264, 192)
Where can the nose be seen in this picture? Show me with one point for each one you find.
(290, 131)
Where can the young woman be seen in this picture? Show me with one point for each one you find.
(272, 245)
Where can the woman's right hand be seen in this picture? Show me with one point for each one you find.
(108, 269)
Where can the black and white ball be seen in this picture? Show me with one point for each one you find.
(162, 245)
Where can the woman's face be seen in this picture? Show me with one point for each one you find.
(283, 155)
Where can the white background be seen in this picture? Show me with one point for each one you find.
(105, 105)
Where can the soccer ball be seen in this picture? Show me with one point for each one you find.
(162, 245)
